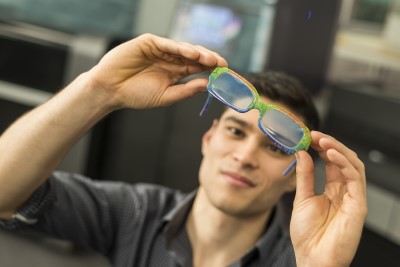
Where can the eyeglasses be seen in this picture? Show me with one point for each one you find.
(283, 128)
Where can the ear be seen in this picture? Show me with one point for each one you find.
(207, 136)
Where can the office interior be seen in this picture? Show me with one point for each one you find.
(346, 52)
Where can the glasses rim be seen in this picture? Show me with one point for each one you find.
(262, 107)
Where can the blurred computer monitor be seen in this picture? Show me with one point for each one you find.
(238, 31)
(101, 17)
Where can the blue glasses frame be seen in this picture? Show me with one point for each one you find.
(262, 108)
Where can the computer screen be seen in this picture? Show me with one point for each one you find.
(236, 30)
(209, 25)
(113, 18)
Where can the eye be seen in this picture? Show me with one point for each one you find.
(236, 132)
(275, 150)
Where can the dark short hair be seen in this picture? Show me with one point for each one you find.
(289, 91)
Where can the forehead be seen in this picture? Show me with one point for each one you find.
(267, 101)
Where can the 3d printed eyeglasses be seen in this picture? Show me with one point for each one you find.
(283, 128)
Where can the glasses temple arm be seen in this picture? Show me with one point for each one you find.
(205, 107)
(289, 168)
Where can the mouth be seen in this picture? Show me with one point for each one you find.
(238, 180)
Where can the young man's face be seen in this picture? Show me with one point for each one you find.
(241, 171)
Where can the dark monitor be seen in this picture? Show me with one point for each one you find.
(27, 62)
(303, 38)
(236, 30)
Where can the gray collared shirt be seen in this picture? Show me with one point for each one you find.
(131, 225)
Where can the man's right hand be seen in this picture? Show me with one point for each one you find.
(142, 73)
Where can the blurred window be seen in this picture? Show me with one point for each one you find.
(371, 11)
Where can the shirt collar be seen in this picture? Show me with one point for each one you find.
(175, 219)
(176, 239)
(266, 242)
(174, 222)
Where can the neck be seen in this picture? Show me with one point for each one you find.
(217, 238)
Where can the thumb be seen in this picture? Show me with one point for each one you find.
(304, 177)
(183, 91)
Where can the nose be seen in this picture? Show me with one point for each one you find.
(247, 154)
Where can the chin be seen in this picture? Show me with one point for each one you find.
(230, 205)
(240, 213)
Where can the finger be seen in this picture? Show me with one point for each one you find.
(346, 168)
(322, 142)
(210, 58)
(319, 139)
(206, 50)
(316, 138)
(186, 50)
(346, 160)
(353, 176)
(304, 177)
(183, 91)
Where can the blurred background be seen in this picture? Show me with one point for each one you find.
(346, 52)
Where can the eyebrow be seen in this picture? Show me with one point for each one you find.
(242, 123)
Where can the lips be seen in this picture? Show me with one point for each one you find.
(237, 179)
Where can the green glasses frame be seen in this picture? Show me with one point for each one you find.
(261, 106)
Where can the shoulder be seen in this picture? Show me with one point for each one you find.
(154, 198)
(71, 180)
(140, 196)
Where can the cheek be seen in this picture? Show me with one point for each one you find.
(214, 154)
(274, 167)
(216, 147)
(273, 180)
(210, 155)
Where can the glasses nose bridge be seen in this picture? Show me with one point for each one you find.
(260, 106)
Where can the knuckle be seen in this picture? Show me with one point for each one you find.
(361, 166)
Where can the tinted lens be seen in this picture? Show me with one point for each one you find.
(233, 91)
(282, 128)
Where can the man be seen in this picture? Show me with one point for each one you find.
(230, 220)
